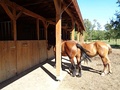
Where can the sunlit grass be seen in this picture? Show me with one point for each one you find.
(112, 41)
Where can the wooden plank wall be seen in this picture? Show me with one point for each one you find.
(30, 53)
(16, 57)
(7, 60)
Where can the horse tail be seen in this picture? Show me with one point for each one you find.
(110, 49)
(84, 54)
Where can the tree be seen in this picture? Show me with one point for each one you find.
(116, 23)
(91, 33)
(108, 34)
(98, 26)
(94, 24)
(88, 26)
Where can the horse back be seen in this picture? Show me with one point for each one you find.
(69, 48)
(97, 48)
(103, 48)
(91, 48)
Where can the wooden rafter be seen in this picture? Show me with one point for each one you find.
(9, 13)
(19, 14)
(68, 11)
(22, 9)
(79, 14)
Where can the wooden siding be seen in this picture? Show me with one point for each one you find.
(30, 53)
(16, 57)
(7, 60)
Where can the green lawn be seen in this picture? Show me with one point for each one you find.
(113, 43)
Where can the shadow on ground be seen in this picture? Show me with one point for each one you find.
(115, 46)
(65, 67)
(85, 68)
(18, 76)
(41, 65)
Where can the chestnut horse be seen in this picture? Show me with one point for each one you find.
(102, 49)
(73, 49)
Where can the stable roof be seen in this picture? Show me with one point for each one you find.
(46, 9)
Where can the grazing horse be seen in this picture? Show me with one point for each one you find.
(102, 49)
(73, 49)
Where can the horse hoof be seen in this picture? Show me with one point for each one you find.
(78, 75)
(73, 75)
(103, 74)
(110, 72)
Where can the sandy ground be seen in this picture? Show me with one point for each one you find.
(43, 77)
(91, 78)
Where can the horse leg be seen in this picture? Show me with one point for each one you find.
(73, 67)
(106, 63)
(80, 70)
(109, 66)
(79, 67)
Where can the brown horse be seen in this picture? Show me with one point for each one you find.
(102, 49)
(73, 49)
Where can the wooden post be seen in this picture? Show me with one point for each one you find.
(14, 29)
(78, 36)
(81, 38)
(46, 31)
(45, 26)
(14, 25)
(58, 47)
(38, 29)
(73, 33)
(58, 38)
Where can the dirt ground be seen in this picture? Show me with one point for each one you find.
(91, 78)
(43, 77)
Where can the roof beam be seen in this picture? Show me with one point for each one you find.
(7, 10)
(24, 10)
(79, 13)
(80, 22)
(68, 12)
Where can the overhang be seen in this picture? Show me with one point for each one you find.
(46, 9)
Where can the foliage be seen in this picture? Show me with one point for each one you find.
(112, 29)
(91, 33)
(98, 35)
(88, 26)
(113, 43)
(116, 23)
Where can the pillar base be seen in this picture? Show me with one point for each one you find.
(58, 78)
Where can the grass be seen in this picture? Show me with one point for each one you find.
(113, 43)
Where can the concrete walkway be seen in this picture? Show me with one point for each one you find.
(41, 77)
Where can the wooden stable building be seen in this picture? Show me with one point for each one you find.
(28, 26)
